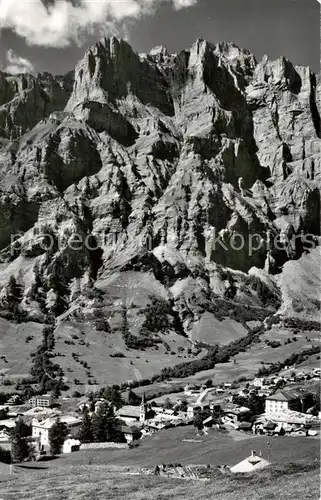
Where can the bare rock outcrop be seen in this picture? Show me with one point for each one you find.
(160, 165)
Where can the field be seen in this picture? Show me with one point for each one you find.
(246, 364)
(289, 482)
(95, 347)
(15, 349)
(212, 331)
(184, 446)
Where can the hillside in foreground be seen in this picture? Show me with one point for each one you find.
(293, 481)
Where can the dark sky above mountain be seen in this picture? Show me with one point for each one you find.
(40, 40)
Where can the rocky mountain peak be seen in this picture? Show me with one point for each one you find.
(148, 161)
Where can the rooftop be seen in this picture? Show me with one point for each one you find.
(8, 423)
(128, 430)
(283, 395)
(232, 408)
(129, 411)
(251, 463)
(44, 396)
(49, 422)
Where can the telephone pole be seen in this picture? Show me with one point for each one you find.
(269, 450)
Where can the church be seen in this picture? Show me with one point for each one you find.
(135, 415)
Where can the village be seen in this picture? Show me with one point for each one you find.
(275, 406)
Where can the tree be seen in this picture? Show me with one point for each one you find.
(199, 418)
(57, 436)
(56, 390)
(5, 456)
(12, 299)
(86, 431)
(104, 425)
(209, 383)
(133, 399)
(280, 384)
(183, 405)
(168, 405)
(20, 441)
(113, 395)
(13, 293)
(198, 421)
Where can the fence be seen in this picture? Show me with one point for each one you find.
(98, 446)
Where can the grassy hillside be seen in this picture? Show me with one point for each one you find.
(217, 448)
(17, 341)
(289, 482)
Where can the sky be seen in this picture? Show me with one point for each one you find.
(52, 35)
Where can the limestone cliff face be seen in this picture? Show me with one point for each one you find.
(148, 159)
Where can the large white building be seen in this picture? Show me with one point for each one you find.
(40, 430)
(283, 400)
(46, 400)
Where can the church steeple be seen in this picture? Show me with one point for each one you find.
(143, 409)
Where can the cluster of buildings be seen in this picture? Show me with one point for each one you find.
(287, 410)
(149, 418)
(41, 416)
(41, 429)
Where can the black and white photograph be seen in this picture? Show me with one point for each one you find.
(160, 265)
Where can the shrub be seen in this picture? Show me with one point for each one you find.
(7, 381)
(273, 343)
(5, 456)
(76, 394)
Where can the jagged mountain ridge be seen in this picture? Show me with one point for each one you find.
(143, 156)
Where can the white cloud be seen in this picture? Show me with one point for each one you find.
(62, 23)
(183, 4)
(17, 64)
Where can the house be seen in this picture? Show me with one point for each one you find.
(208, 423)
(15, 399)
(130, 433)
(40, 411)
(236, 413)
(245, 426)
(3, 412)
(44, 401)
(244, 393)
(7, 424)
(259, 382)
(4, 435)
(192, 410)
(270, 426)
(286, 400)
(251, 463)
(70, 445)
(5, 441)
(40, 430)
(216, 407)
(131, 414)
(153, 426)
(99, 403)
(189, 389)
(279, 380)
